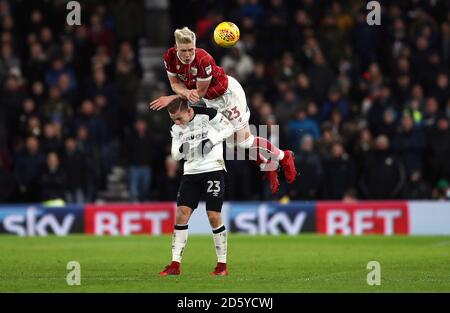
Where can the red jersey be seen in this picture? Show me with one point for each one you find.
(202, 68)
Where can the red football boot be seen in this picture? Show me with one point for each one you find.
(289, 170)
(220, 270)
(172, 269)
(272, 177)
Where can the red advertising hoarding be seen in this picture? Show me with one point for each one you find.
(126, 219)
(361, 218)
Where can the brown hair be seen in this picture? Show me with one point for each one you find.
(176, 105)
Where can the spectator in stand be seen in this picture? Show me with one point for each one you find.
(238, 64)
(438, 156)
(259, 81)
(58, 68)
(409, 144)
(416, 188)
(139, 154)
(309, 161)
(383, 176)
(99, 34)
(88, 149)
(6, 183)
(288, 69)
(303, 87)
(38, 93)
(9, 60)
(350, 196)
(12, 98)
(442, 190)
(51, 139)
(382, 103)
(325, 142)
(56, 108)
(53, 179)
(388, 126)
(301, 126)
(335, 101)
(28, 110)
(442, 89)
(320, 72)
(77, 171)
(430, 115)
(128, 56)
(27, 170)
(48, 41)
(287, 105)
(35, 67)
(339, 173)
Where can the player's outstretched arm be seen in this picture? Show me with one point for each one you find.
(162, 102)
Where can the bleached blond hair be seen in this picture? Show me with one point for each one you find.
(184, 35)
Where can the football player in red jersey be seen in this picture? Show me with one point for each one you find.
(195, 76)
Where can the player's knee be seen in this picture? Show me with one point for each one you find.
(246, 143)
(182, 215)
(215, 219)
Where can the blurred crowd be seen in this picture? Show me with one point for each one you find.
(365, 108)
(67, 97)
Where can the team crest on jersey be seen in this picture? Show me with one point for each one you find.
(208, 70)
(194, 71)
(178, 66)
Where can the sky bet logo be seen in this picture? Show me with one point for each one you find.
(273, 220)
(32, 222)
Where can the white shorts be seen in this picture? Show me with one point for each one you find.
(232, 104)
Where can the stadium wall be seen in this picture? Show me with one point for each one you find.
(253, 218)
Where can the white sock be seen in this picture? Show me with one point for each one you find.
(179, 239)
(271, 165)
(220, 242)
(281, 155)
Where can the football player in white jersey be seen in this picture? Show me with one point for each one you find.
(197, 137)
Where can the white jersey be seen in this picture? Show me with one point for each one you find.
(200, 128)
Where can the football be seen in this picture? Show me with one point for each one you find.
(226, 34)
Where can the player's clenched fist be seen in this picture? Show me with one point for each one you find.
(193, 96)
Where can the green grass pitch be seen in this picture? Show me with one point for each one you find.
(305, 263)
